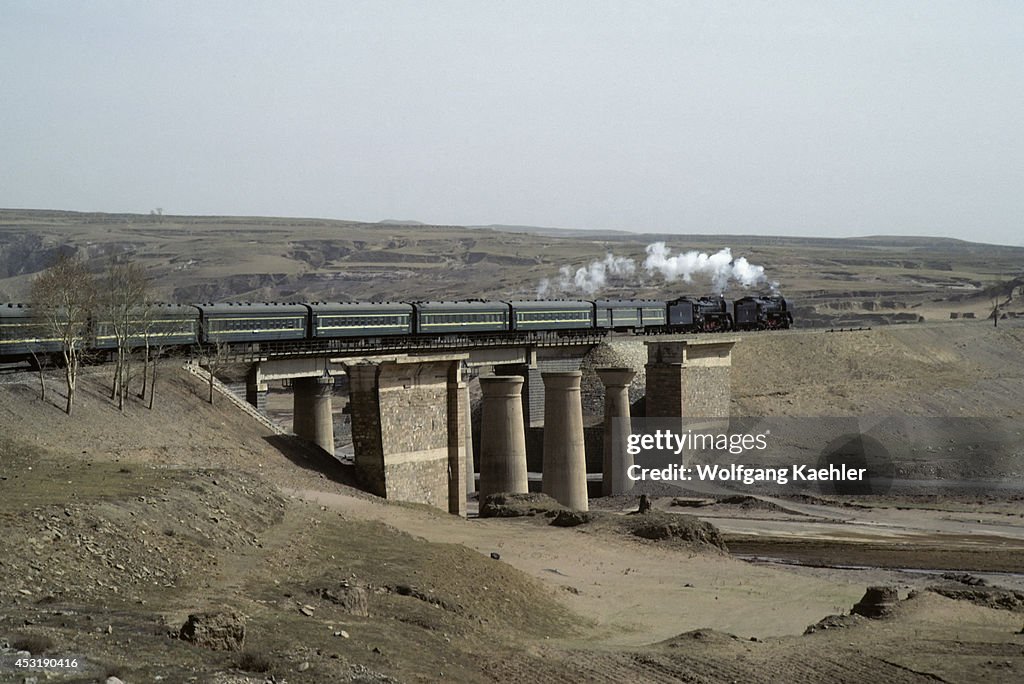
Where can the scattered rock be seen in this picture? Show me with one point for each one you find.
(571, 518)
(691, 503)
(964, 578)
(833, 622)
(878, 602)
(989, 597)
(645, 504)
(307, 610)
(113, 680)
(495, 555)
(432, 599)
(303, 666)
(217, 631)
(351, 599)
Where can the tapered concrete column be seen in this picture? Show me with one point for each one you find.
(468, 417)
(502, 436)
(565, 463)
(532, 393)
(312, 419)
(617, 459)
(256, 389)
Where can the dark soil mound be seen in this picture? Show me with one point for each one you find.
(506, 505)
(989, 597)
(833, 622)
(659, 526)
(571, 518)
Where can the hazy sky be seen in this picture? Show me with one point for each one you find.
(798, 118)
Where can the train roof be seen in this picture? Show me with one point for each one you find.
(249, 308)
(627, 302)
(475, 305)
(164, 306)
(550, 304)
(322, 307)
(15, 310)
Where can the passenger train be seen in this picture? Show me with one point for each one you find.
(22, 337)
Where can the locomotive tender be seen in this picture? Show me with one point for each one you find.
(22, 336)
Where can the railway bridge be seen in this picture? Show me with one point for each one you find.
(410, 405)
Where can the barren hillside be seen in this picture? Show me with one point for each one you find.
(203, 258)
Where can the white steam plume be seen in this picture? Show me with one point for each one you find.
(587, 279)
(720, 268)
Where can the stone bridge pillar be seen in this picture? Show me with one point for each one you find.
(532, 393)
(467, 409)
(408, 428)
(312, 417)
(502, 436)
(458, 428)
(617, 460)
(256, 388)
(690, 379)
(565, 463)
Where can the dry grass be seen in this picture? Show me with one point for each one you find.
(36, 644)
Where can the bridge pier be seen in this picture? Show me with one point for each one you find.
(565, 463)
(616, 459)
(467, 414)
(502, 436)
(690, 379)
(532, 392)
(408, 428)
(458, 427)
(312, 417)
(256, 388)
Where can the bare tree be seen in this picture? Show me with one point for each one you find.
(124, 309)
(214, 359)
(153, 355)
(40, 362)
(998, 292)
(63, 297)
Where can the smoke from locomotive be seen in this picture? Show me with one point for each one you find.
(719, 269)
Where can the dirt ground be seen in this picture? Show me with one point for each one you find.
(117, 527)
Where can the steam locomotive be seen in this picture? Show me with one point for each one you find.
(23, 337)
(761, 313)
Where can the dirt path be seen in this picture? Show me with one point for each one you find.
(637, 597)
